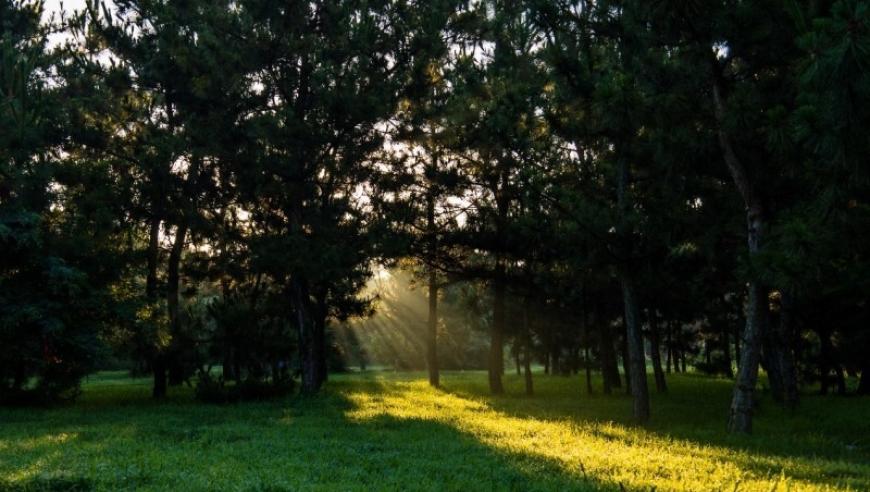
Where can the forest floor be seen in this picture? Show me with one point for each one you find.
(391, 431)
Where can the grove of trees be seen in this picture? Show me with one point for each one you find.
(187, 184)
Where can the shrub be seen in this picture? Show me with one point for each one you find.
(216, 390)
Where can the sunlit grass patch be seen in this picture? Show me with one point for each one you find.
(613, 453)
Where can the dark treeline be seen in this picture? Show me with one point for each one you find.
(605, 186)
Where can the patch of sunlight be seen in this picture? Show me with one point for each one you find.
(34, 443)
(32, 470)
(602, 451)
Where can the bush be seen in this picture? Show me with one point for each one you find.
(39, 368)
(211, 390)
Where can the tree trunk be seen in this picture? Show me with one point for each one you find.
(227, 362)
(320, 315)
(227, 366)
(626, 360)
(496, 347)
(661, 384)
(527, 369)
(158, 364)
(825, 358)
(432, 331)
(175, 365)
(584, 319)
(670, 347)
(744, 388)
(309, 353)
(637, 360)
(555, 363)
(770, 364)
(432, 324)
(726, 351)
(609, 367)
(635, 373)
(841, 379)
(740, 419)
(153, 250)
(737, 345)
(527, 360)
(864, 382)
(785, 339)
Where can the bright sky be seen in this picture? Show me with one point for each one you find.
(54, 6)
(69, 5)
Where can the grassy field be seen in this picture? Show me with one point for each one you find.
(386, 431)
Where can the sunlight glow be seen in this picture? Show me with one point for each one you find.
(610, 453)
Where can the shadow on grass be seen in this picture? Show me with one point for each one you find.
(301, 443)
(825, 442)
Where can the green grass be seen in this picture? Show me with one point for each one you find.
(386, 431)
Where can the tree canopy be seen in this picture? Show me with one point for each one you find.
(189, 184)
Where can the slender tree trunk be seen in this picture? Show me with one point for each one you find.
(637, 360)
(555, 363)
(237, 364)
(527, 368)
(742, 402)
(786, 341)
(496, 347)
(825, 358)
(609, 367)
(227, 366)
(320, 347)
(153, 250)
(626, 359)
(158, 364)
(584, 319)
(588, 369)
(770, 362)
(636, 364)
(173, 279)
(574, 357)
(228, 342)
(432, 324)
(841, 379)
(309, 353)
(312, 350)
(527, 360)
(432, 331)
(517, 353)
(726, 351)
(737, 345)
(670, 346)
(661, 384)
